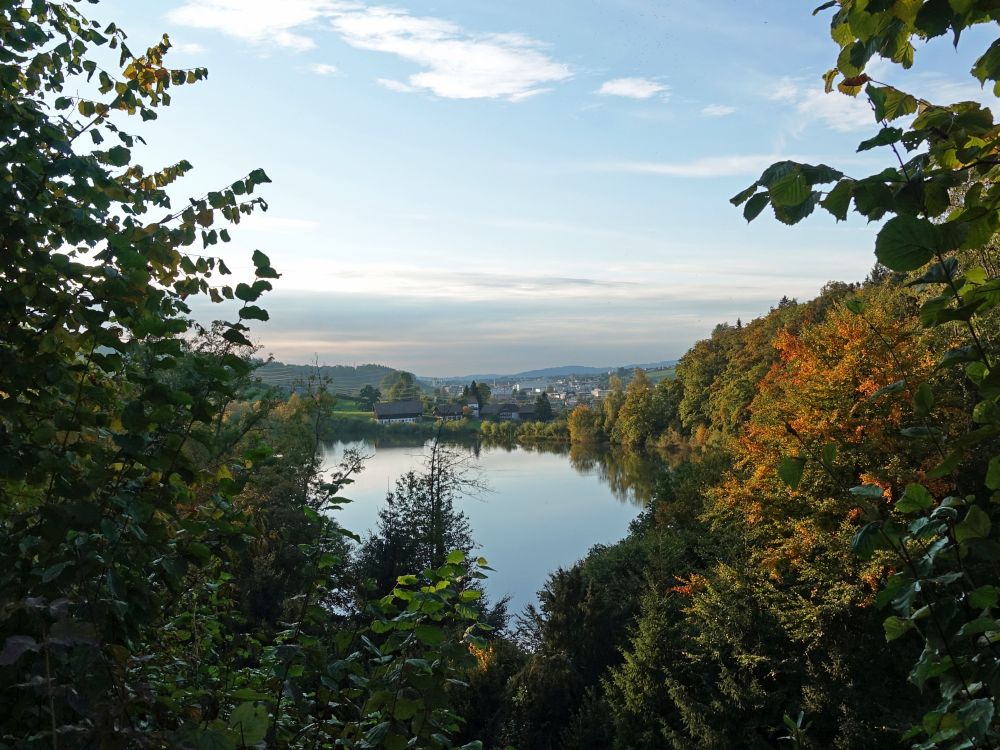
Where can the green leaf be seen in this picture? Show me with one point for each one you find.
(248, 723)
(429, 634)
(987, 67)
(246, 293)
(405, 709)
(984, 597)
(939, 273)
(743, 195)
(790, 470)
(755, 205)
(993, 473)
(855, 305)
(977, 716)
(119, 156)
(915, 497)
(975, 525)
(905, 243)
(891, 103)
(455, 557)
(868, 490)
(895, 627)
(923, 400)
(15, 646)
(375, 735)
(978, 626)
(260, 260)
(838, 200)
(885, 137)
(864, 541)
(790, 190)
(253, 312)
(829, 454)
(54, 571)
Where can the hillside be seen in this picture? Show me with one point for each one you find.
(342, 378)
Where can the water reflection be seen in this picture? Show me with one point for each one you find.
(549, 503)
(631, 477)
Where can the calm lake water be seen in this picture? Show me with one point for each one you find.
(545, 508)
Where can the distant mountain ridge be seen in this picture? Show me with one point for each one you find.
(553, 372)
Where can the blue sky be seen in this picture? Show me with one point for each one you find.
(466, 186)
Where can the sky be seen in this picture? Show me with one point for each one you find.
(466, 186)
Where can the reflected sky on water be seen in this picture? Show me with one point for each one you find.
(546, 506)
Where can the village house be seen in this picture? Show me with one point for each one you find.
(449, 412)
(527, 412)
(399, 411)
(503, 412)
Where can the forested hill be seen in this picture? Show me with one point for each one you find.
(760, 587)
(341, 378)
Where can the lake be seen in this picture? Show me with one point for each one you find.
(545, 509)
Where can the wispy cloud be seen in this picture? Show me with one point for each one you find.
(454, 63)
(394, 85)
(710, 166)
(811, 104)
(419, 283)
(187, 48)
(258, 21)
(717, 110)
(457, 64)
(323, 69)
(845, 114)
(633, 88)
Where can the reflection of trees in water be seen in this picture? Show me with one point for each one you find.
(630, 476)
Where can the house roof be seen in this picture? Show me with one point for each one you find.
(409, 408)
(498, 408)
(449, 409)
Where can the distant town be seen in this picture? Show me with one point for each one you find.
(392, 396)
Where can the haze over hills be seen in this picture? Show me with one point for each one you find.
(553, 372)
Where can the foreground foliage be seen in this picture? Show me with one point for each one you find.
(148, 516)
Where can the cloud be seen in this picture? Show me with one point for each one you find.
(812, 104)
(633, 88)
(394, 85)
(258, 21)
(323, 69)
(187, 48)
(457, 65)
(419, 283)
(711, 166)
(717, 110)
(847, 114)
(454, 63)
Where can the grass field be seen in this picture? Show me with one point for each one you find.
(340, 379)
(657, 375)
